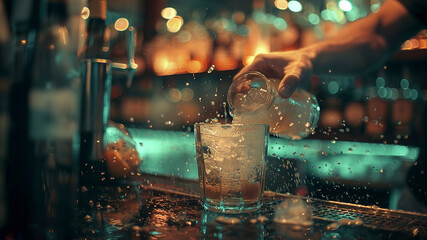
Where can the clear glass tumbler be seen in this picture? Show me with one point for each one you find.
(231, 165)
(260, 103)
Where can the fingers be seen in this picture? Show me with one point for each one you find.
(243, 87)
(258, 65)
(288, 85)
(295, 72)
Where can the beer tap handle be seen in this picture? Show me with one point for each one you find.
(130, 67)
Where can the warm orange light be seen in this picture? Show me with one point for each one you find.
(248, 60)
(162, 65)
(406, 45)
(239, 17)
(415, 43)
(168, 13)
(423, 43)
(174, 24)
(121, 24)
(194, 66)
(281, 4)
(260, 48)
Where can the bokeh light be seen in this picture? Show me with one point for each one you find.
(380, 82)
(404, 83)
(295, 6)
(280, 24)
(187, 94)
(174, 24)
(333, 87)
(345, 5)
(168, 13)
(121, 24)
(194, 66)
(174, 95)
(85, 13)
(281, 4)
(313, 19)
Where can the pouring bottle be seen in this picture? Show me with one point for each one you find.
(292, 118)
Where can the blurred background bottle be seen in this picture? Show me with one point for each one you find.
(42, 178)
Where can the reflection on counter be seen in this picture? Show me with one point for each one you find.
(167, 208)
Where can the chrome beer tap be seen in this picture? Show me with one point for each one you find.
(96, 75)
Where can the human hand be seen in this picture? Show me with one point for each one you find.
(292, 67)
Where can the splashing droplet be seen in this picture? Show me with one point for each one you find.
(211, 69)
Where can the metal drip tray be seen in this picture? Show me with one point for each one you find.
(324, 211)
(372, 216)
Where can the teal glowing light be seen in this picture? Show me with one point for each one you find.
(353, 14)
(414, 94)
(259, 17)
(270, 18)
(407, 93)
(174, 154)
(313, 18)
(327, 15)
(166, 153)
(380, 82)
(404, 83)
(243, 30)
(280, 24)
(295, 6)
(345, 5)
(333, 87)
(382, 92)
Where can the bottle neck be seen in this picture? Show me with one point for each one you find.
(251, 92)
(98, 9)
(56, 12)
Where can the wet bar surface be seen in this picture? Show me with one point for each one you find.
(150, 207)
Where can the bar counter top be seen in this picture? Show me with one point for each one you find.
(153, 207)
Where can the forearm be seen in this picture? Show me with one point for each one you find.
(366, 44)
(352, 54)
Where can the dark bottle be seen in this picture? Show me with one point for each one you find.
(48, 169)
(96, 78)
(97, 38)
